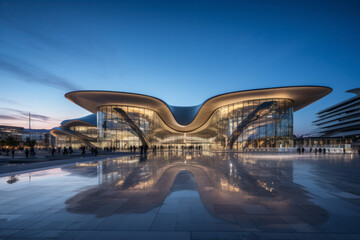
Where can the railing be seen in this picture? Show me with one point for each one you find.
(331, 150)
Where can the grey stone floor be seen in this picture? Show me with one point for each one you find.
(194, 195)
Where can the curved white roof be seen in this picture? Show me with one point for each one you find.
(186, 119)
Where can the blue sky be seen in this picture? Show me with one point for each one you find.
(180, 51)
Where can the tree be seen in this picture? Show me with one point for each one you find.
(30, 143)
(12, 142)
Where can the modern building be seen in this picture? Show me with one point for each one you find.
(77, 132)
(41, 136)
(7, 131)
(338, 124)
(261, 118)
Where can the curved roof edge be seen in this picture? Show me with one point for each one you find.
(89, 120)
(355, 91)
(341, 104)
(185, 119)
(62, 131)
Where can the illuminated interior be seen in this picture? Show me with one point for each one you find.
(254, 119)
(269, 128)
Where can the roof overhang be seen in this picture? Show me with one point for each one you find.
(89, 120)
(91, 100)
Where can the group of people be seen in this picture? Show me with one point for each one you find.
(30, 152)
(317, 150)
(93, 150)
(144, 148)
(64, 150)
(7, 151)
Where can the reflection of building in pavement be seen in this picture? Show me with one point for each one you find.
(225, 179)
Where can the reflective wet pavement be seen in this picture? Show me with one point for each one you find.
(187, 196)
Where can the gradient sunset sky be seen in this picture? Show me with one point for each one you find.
(182, 52)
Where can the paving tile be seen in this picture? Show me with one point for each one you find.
(127, 222)
(164, 222)
(343, 236)
(222, 236)
(7, 233)
(256, 209)
(207, 227)
(245, 223)
(37, 234)
(268, 223)
(298, 224)
(125, 235)
(313, 198)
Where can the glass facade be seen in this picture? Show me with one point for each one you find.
(85, 130)
(265, 123)
(66, 140)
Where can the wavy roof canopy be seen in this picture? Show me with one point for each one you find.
(89, 120)
(186, 119)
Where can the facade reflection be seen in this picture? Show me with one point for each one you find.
(222, 179)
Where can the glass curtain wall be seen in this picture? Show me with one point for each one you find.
(74, 142)
(85, 130)
(266, 123)
(68, 141)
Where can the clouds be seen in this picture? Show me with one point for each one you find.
(5, 100)
(6, 117)
(34, 74)
(16, 114)
(18, 117)
(25, 45)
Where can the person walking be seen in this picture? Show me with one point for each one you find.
(83, 151)
(12, 153)
(27, 153)
(96, 152)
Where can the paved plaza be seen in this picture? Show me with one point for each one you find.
(187, 195)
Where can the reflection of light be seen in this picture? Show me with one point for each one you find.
(120, 182)
(142, 185)
(224, 184)
(264, 185)
(86, 164)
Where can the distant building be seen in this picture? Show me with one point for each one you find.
(7, 131)
(337, 125)
(42, 136)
